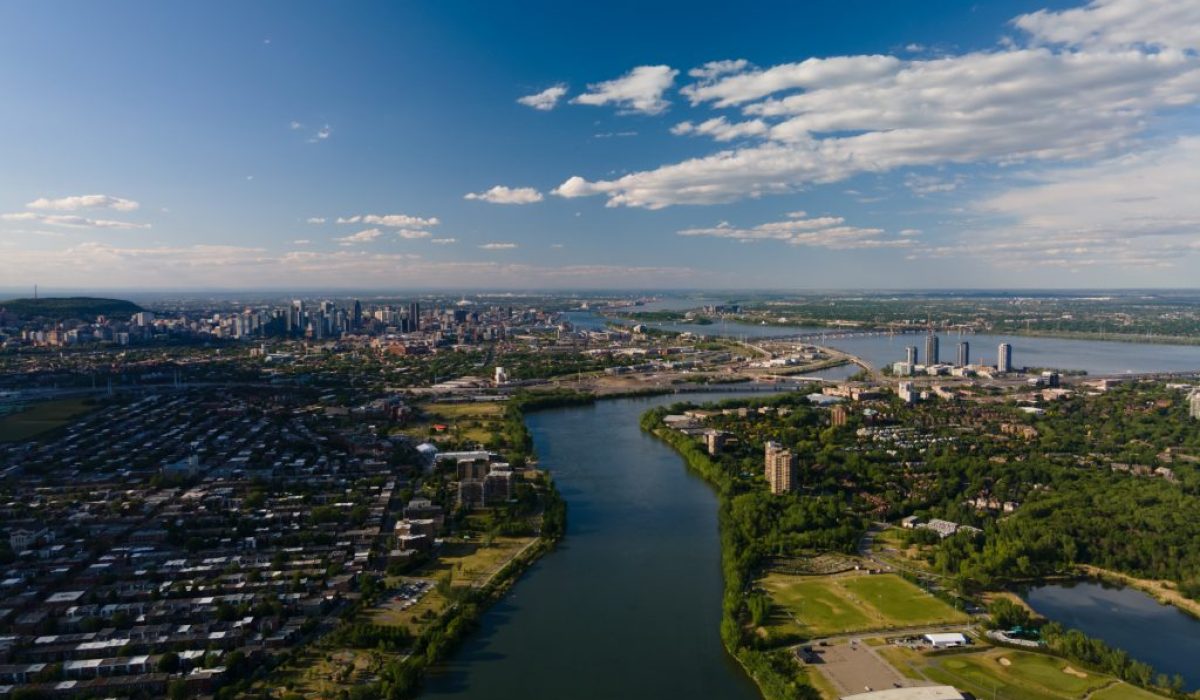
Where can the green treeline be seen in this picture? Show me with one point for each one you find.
(755, 526)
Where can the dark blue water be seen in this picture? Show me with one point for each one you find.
(1128, 619)
(629, 605)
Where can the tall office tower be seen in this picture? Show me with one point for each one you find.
(414, 316)
(964, 354)
(910, 356)
(1004, 358)
(931, 348)
(780, 467)
(357, 314)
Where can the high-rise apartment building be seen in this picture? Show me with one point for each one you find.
(780, 466)
(910, 356)
(964, 354)
(1004, 358)
(931, 348)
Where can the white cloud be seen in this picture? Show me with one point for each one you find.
(315, 220)
(412, 233)
(922, 185)
(827, 119)
(640, 90)
(498, 246)
(71, 221)
(364, 236)
(715, 69)
(323, 133)
(390, 220)
(812, 74)
(799, 230)
(226, 266)
(1167, 24)
(85, 201)
(301, 241)
(294, 125)
(1137, 210)
(546, 99)
(507, 195)
(720, 129)
(443, 241)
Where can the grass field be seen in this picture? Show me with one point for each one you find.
(467, 421)
(823, 606)
(1124, 691)
(1026, 676)
(468, 564)
(39, 418)
(902, 604)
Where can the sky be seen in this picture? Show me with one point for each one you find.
(619, 145)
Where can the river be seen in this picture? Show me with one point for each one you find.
(1096, 357)
(629, 604)
(1126, 618)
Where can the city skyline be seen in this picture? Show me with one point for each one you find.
(1026, 144)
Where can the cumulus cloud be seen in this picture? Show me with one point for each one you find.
(84, 201)
(411, 233)
(70, 221)
(1137, 210)
(1164, 24)
(498, 246)
(715, 69)
(545, 100)
(364, 236)
(443, 241)
(638, 91)
(507, 195)
(1083, 87)
(390, 220)
(721, 129)
(800, 230)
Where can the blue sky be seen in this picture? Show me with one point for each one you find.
(493, 145)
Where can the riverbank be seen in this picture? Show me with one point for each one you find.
(1162, 591)
(768, 670)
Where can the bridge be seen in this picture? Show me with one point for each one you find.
(824, 336)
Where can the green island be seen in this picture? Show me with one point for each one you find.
(896, 520)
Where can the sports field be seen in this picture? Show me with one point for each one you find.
(821, 606)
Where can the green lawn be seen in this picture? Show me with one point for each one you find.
(901, 602)
(813, 606)
(1124, 691)
(1027, 677)
(827, 605)
(39, 418)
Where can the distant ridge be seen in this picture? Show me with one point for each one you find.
(70, 307)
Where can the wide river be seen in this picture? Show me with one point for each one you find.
(1096, 357)
(1157, 634)
(629, 604)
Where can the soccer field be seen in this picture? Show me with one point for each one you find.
(827, 605)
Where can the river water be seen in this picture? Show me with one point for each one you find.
(1095, 357)
(629, 604)
(1128, 619)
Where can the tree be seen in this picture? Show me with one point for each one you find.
(168, 663)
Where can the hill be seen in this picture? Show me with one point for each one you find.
(70, 307)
